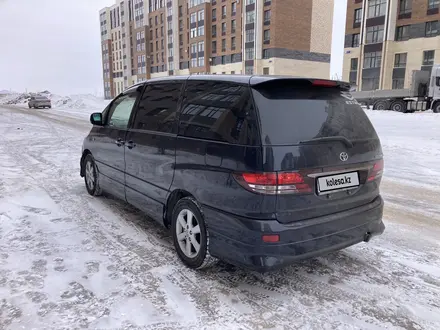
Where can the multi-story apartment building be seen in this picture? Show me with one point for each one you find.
(143, 39)
(386, 40)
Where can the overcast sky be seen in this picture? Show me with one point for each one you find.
(55, 45)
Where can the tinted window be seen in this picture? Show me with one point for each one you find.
(158, 107)
(218, 111)
(121, 108)
(290, 114)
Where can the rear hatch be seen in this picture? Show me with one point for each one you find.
(319, 146)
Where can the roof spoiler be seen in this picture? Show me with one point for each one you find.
(300, 82)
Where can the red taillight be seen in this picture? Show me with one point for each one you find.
(324, 83)
(260, 178)
(376, 171)
(271, 238)
(274, 183)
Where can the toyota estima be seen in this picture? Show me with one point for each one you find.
(258, 171)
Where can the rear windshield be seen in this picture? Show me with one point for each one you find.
(41, 98)
(291, 114)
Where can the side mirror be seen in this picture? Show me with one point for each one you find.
(96, 119)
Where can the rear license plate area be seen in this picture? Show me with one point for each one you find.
(337, 182)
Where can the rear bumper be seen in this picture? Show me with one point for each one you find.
(238, 240)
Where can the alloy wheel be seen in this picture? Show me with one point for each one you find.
(90, 175)
(188, 233)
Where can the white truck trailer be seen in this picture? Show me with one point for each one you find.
(423, 94)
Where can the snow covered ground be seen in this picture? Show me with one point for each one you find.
(68, 260)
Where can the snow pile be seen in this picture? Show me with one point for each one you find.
(15, 98)
(80, 102)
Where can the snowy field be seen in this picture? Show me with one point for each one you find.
(68, 260)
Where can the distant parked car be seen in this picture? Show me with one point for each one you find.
(259, 171)
(39, 102)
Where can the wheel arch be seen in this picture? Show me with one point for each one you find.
(172, 200)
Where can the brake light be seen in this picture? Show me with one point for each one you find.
(376, 171)
(275, 182)
(324, 83)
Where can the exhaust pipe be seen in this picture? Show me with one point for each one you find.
(367, 237)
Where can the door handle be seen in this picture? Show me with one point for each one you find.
(119, 142)
(131, 144)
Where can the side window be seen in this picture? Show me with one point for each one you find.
(120, 110)
(219, 111)
(437, 81)
(158, 107)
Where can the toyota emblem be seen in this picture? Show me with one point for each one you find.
(343, 156)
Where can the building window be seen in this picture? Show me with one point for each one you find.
(400, 60)
(377, 8)
(201, 61)
(201, 46)
(370, 84)
(398, 83)
(250, 2)
(193, 48)
(267, 15)
(223, 11)
(223, 28)
(233, 26)
(193, 18)
(201, 30)
(402, 33)
(234, 8)
(405, 6)
(214, 30)
(433, 4)
(372, 60)
(193, 33)
(214, 14)
(201, 15)
(355, 40)
(250, 17)
(358, 15)
(223, 45)
(233, 43)
(265, 71)
(249, 54)
(266, 54)
(354, 64)
(194, 62)
(431, 29)
(249, 70)
(266, 35)
(374, 34)
(214, 47)
(250, 34)
(428, 57)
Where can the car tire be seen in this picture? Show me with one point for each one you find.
(29, 107)
(190, 235)
(91, 177)
(436, 107)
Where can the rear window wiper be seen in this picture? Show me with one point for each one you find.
(342, 139)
